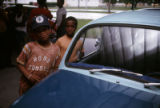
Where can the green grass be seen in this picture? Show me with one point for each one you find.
(112, 7)
(82, 22)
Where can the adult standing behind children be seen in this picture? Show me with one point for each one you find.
(20, 27)
(6, 39)
(38, 58)
(60, 18)
(41, 10)
(64, 41)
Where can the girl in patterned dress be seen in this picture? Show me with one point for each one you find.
(38, 58)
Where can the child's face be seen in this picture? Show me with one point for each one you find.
(59, 3)
(43, 33)
(70, 28)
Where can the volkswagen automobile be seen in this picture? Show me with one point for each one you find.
(117, 66)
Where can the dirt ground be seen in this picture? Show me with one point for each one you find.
(9, 84)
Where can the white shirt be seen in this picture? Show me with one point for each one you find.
(60, 12)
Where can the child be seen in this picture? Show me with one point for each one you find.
(64, 41)
(38, 58)
(61, 15)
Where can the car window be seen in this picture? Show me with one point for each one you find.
(132, 48)
(87, 44)
(91, 40)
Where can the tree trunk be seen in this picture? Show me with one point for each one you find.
(109, 6)
(78, 3)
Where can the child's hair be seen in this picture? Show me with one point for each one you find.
(62, 1)
(42, 3)
(70, 18)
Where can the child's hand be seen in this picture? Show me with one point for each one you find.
(34, 78)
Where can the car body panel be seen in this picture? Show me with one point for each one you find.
(148, 17)
(67, 89)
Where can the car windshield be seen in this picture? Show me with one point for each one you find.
(135, 49)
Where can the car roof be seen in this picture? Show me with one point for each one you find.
(149, 17)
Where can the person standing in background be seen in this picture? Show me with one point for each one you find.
(6, 38)
(61, 15)
(41, 10)
(20, 27)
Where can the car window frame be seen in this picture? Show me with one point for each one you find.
(80, 32)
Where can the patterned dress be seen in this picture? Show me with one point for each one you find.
(39, 61)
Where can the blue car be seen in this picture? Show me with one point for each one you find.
(117, 65)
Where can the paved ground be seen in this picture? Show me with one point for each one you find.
(9, 80)
(82, 13)
(9, 84)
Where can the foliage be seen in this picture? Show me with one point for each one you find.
(82, 22)
(138, 1)
(112, 1)
(126, 1)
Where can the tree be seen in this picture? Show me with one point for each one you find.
(113, 2)
(78, 3)
(149, 2)
(126, 2)
(109, 2)
(134, 3)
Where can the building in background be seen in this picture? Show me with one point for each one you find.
(29, 1)
(26, 1)
(68, 3)
(83, 3)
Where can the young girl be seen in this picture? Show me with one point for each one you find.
(38, 58)
(64, 41)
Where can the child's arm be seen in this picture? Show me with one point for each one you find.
(57, 63)
(21, 61)
(57, 59)
(33, 78)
